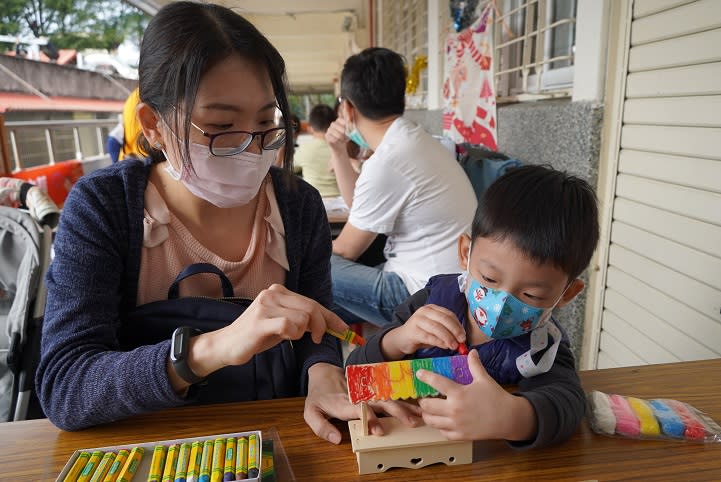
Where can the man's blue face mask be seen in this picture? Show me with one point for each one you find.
(355, 136)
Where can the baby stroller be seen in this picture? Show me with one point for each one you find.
(27, 217)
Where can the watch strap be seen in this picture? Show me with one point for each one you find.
(179, 353)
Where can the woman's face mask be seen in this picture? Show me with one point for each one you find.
(224, 181)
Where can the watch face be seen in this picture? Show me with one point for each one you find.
(176, 353)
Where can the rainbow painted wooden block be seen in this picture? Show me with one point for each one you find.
(401, 446)
(397, 379)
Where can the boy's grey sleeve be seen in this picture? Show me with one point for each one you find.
(557, 398)
(371, 351)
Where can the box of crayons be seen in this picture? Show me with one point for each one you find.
(212, 458)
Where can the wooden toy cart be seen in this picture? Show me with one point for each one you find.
(401, 446)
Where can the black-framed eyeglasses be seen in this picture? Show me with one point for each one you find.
(231, 143)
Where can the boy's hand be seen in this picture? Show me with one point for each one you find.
(479, 411)
(429, 326)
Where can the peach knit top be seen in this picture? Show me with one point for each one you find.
(168, 247)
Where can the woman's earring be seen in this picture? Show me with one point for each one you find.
(158, 145)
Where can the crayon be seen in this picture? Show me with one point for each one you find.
(77, 467)
(241, 459)
(181, 469)
(349, 336)
(206, 461)
(90, 466)
(157, 464)
(228, 468)
(196, 454)
(131, 465)
(216, 472)
(462, 349)
(103, 467)
(171, 459)
(267, 472)
(253, 456)
(117, 465)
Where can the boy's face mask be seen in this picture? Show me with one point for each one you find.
(499, 314)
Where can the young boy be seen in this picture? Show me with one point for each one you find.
(533, 234)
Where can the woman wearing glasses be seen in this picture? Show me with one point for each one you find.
(212, 108)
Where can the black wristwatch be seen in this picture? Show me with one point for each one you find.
(179, 353)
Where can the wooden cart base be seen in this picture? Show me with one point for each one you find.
(401, 446)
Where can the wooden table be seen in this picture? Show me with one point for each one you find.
(36, 450)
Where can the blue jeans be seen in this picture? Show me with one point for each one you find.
(364, 293)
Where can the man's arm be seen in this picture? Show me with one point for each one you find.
(345, 175)
(352, 242)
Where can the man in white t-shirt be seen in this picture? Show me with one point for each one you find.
(411, 189)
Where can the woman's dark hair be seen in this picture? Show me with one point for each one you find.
(548, 214)
(182, 42)
(374, 81)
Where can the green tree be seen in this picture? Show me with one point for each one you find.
(77, 24)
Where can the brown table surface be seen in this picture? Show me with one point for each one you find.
(35, 450)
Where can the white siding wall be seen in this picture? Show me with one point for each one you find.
(662, 298)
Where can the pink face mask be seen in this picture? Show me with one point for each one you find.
(225, 182)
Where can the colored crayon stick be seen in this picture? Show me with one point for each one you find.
(253, 456)
(267, 471)
(181, 469)
(77, 467)
(229, 466)
(103, 467)
(90, 466)
(462, 349)
(206, 461)
(349, 336)
(241, 459)
(131, 465)
(157, 464)
(171, 460)
(196, 454)
(114, 471)
(216, 471)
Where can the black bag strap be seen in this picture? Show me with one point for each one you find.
(197, 268)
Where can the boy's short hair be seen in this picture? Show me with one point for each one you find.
(550, 215)
(374, 81)
(321, 117)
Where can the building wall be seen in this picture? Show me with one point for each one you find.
(61, 80)
(563, 134)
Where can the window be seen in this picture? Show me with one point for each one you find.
(535, 46)
(403, 27)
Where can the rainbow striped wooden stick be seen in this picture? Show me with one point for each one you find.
(396, 380)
